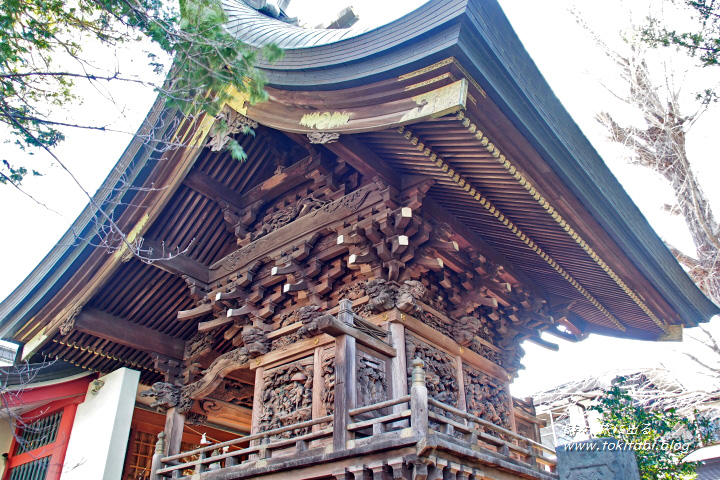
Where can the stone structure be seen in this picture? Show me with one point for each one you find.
(597, 459)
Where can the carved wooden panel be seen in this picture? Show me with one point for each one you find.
(287, 396)
(311, 219)
(440, 368)
(485, 351)
(372, 381)
(327, 397)
(436, 323)
(486, 398)
(234, 392)
(525, 429)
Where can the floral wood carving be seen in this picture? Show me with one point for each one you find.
(281, 218)
(323, 137)
(285, 340)
(328, 374)
(200, 344)
(485, 351)
(485, 397)
(436, 323)
(192, 418)
(287, 397)
(186, 402)
(352, 292)
(352, 202)
(228, 123)
(233, 392)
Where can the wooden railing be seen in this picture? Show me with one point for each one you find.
(220, 454)
(414, 415)
(471, 430)
(474, 431)
(370, 429)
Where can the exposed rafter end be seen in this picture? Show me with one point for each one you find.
(674, 334)
(544, 343)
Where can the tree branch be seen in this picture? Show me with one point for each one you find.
(686, 260)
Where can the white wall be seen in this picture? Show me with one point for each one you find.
(100, 432)
(7, 427)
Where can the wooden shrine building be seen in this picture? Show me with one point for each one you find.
(351, 300)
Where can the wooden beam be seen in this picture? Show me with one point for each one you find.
(177, 264)
(473, 240)
(289, 178)
(544, 343)
(271, 188)
(363, 159)
(118, 330)
(211, 188)
(198, 311)
(335, 328)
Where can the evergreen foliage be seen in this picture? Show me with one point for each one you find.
(40, 39)
(703, 42)
(660, 438)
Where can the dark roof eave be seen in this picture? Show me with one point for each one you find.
(508, 74)
(68, 255)
(521, 92)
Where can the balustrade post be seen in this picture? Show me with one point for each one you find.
(264, 453)
(201, 467)
(345, 380)
(419, 400)
(532, 459)
(157, 456)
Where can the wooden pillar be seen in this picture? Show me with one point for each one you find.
(398, 364)
(345, 375)
(511, 406)
(174, 425)
(257, 400)
(462, 402)
(317, 387)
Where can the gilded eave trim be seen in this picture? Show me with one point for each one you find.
(493, 210)
(485, 142)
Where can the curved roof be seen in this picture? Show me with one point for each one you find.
(259, 30)
(476, 35)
